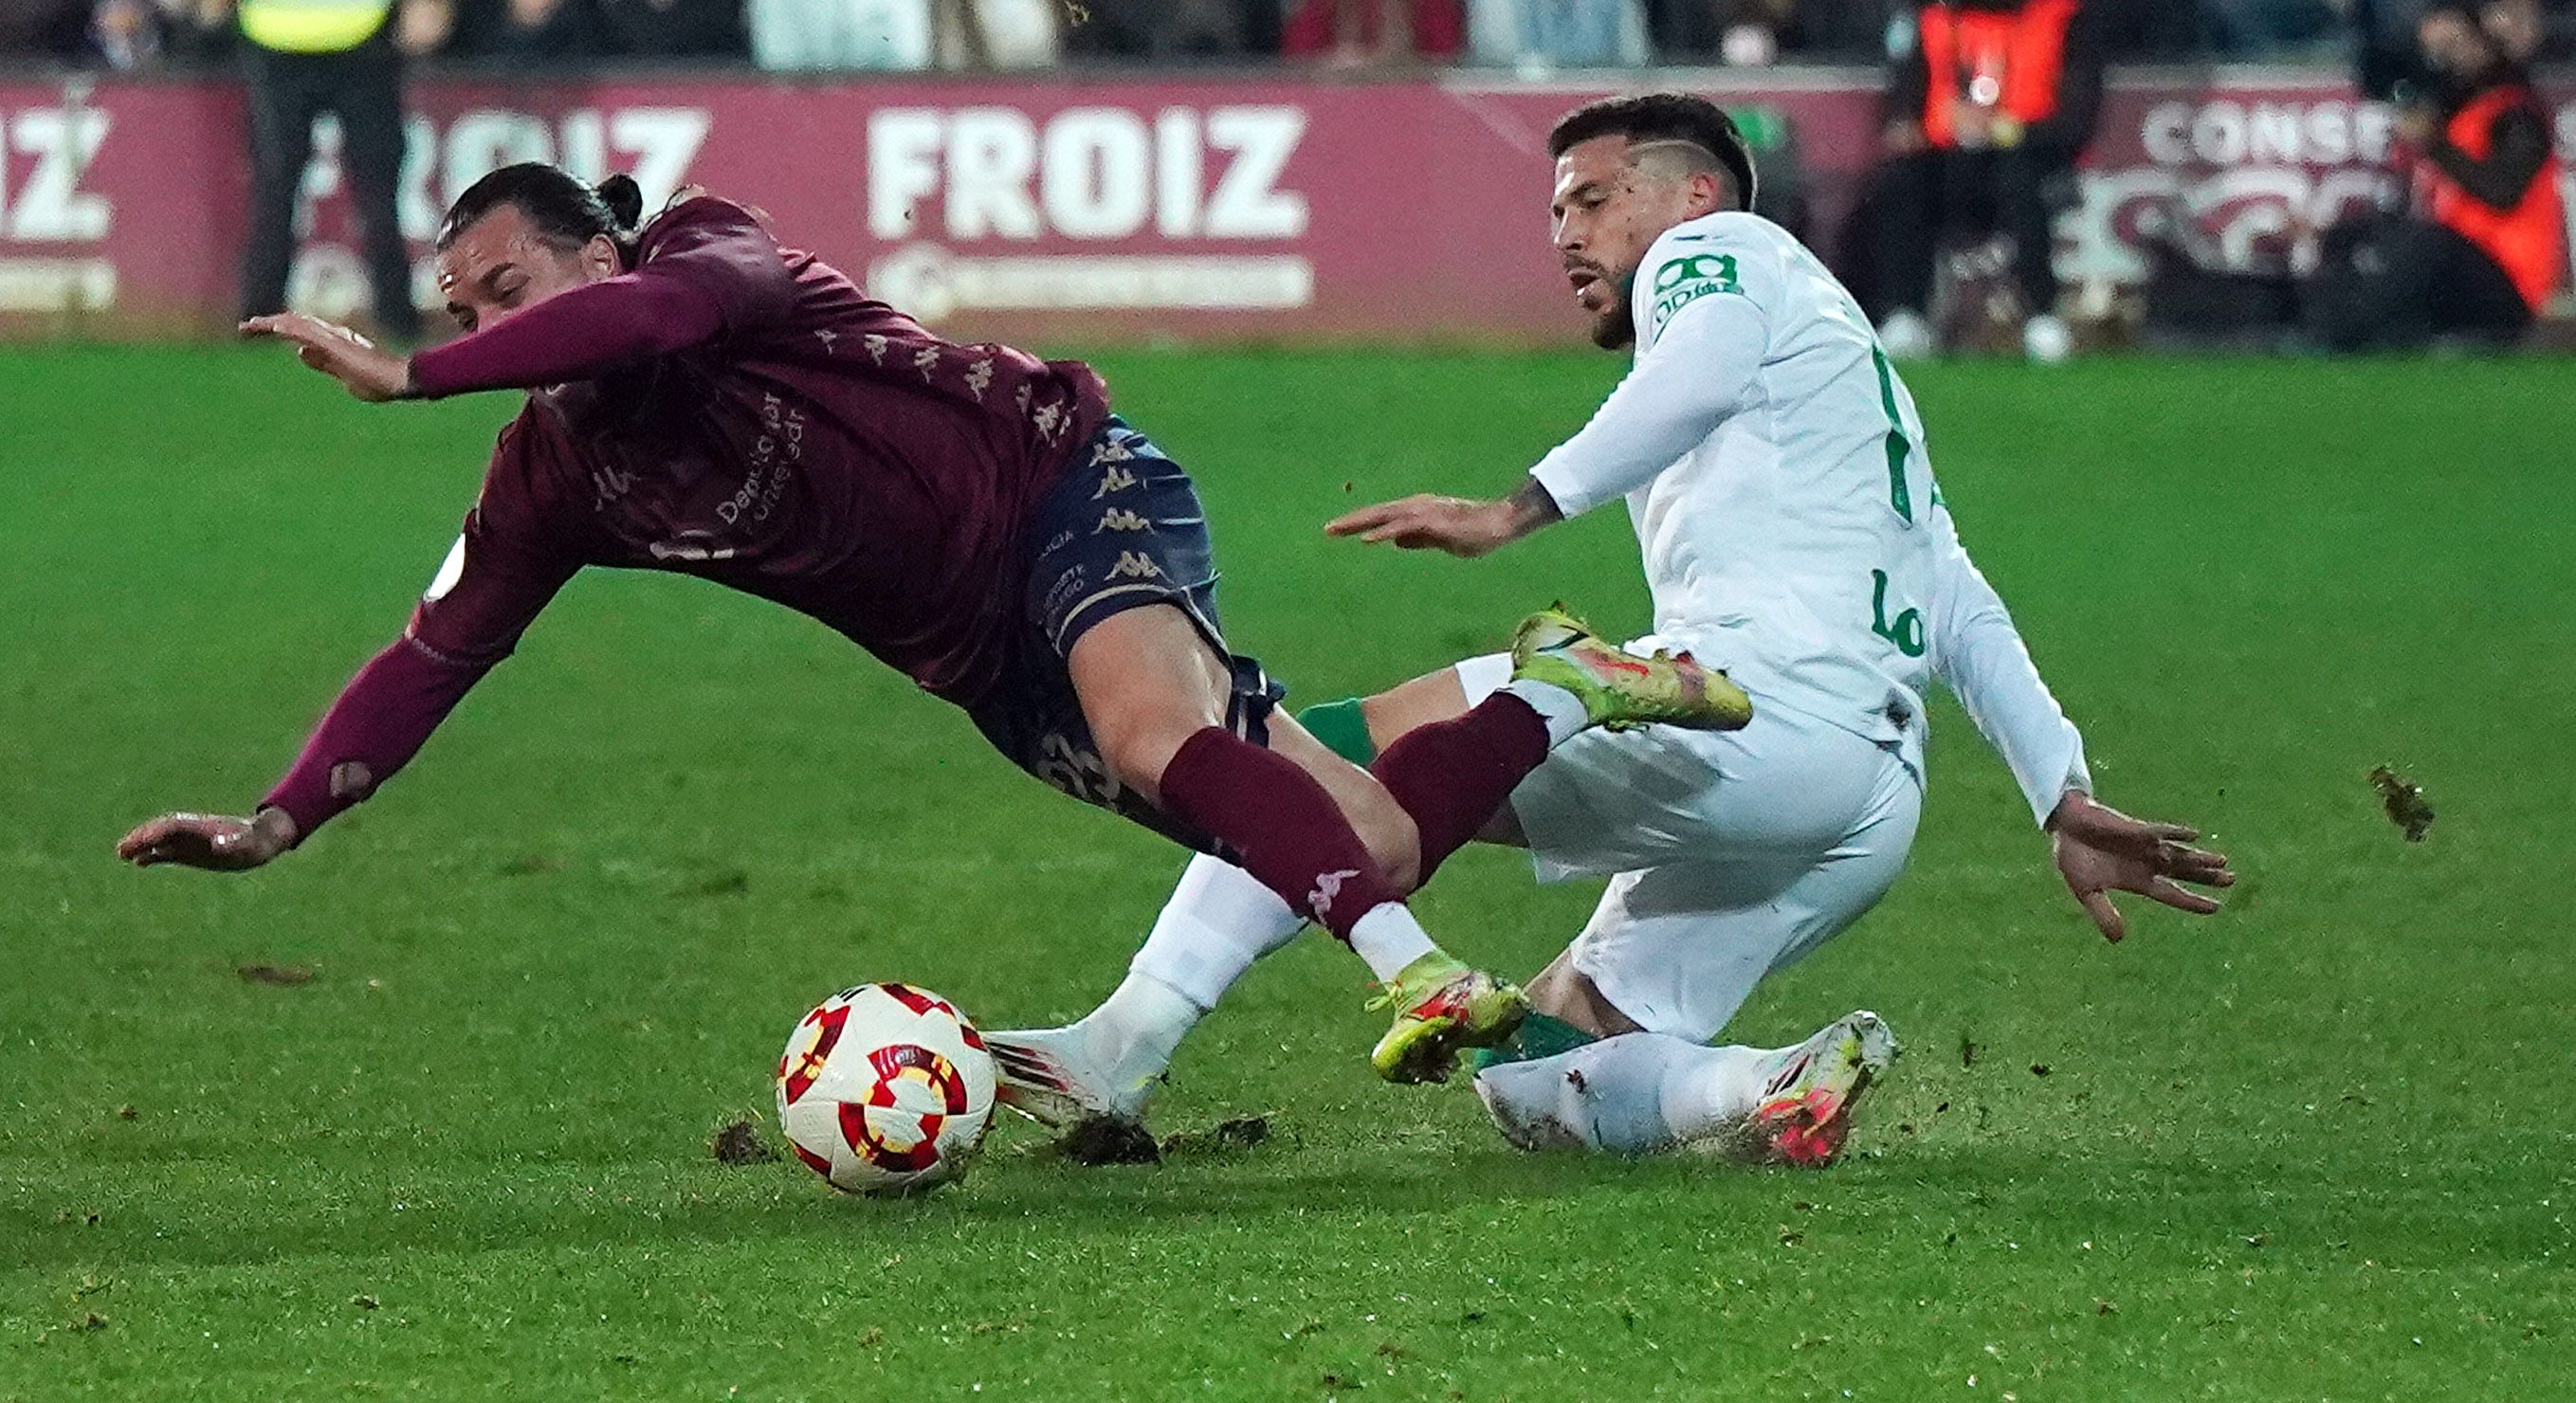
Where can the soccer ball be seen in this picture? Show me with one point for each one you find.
(885, 1089)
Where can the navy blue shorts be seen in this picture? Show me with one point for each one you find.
(1122, 530)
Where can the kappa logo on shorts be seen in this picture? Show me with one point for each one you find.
(1076, 770)
(1328, 885)
(1121, 519)
(1133, 565)
(1111, 451)
(1114, 480)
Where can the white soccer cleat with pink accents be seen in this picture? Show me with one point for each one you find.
(1804, 1113)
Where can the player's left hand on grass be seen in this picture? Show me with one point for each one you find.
(215, 842)
(2101, 850)
(370, 372)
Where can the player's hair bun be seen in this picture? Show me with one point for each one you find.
(624, 198)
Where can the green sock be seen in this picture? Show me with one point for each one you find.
(1539, 1037)
(1342, 728)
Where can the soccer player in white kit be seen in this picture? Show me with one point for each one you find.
(1792, 534)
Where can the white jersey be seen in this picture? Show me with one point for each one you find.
(1774, 467)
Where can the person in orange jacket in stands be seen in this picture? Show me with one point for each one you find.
(2492, 246)
(1989, 105)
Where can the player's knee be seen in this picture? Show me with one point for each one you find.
(1391, 838)
(1137, 755)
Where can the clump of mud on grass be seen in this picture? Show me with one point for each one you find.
(2404, 801)
(738, 1142)
(1101, 1140)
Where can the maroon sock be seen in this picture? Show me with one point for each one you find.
(1451, 776)
(1284, 828)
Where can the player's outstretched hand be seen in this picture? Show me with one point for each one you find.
(2101, 850)
(215, 842)
(1458, 525)
(369, 371)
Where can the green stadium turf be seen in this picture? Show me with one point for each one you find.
(2315, 1148)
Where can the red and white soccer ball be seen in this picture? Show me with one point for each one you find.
(885, 1089)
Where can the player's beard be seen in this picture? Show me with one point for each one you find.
(1614, 328)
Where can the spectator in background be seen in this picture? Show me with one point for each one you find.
(828, 35)
(901, 35)
(2526, 31)
(985, 35)
(131, 34)
(1990, 105)
(303, 58)
(2488, 244)
(2488, 177)
(1358, 33)
(125, 34)
(1536, 35)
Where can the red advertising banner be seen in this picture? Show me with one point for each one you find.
(1204, 207)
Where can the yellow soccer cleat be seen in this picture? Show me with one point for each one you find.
(1618, 689)
(1443, 1008)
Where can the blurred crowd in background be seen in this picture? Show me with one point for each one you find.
(975, 34)
(1990, 108)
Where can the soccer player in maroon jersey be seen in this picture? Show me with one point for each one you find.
(702, 401)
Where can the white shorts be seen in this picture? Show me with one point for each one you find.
(1731, 853)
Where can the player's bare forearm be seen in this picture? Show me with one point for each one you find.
(1459, 525)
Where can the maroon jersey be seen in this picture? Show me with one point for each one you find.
(743, 413)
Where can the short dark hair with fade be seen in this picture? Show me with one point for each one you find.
(1651, 117)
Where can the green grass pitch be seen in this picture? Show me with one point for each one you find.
(2317, 1148)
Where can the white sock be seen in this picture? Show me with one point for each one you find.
(1560, 709)
(1217, 923)
(1633, 1094)
(1389, 939)
(1136, 1029)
